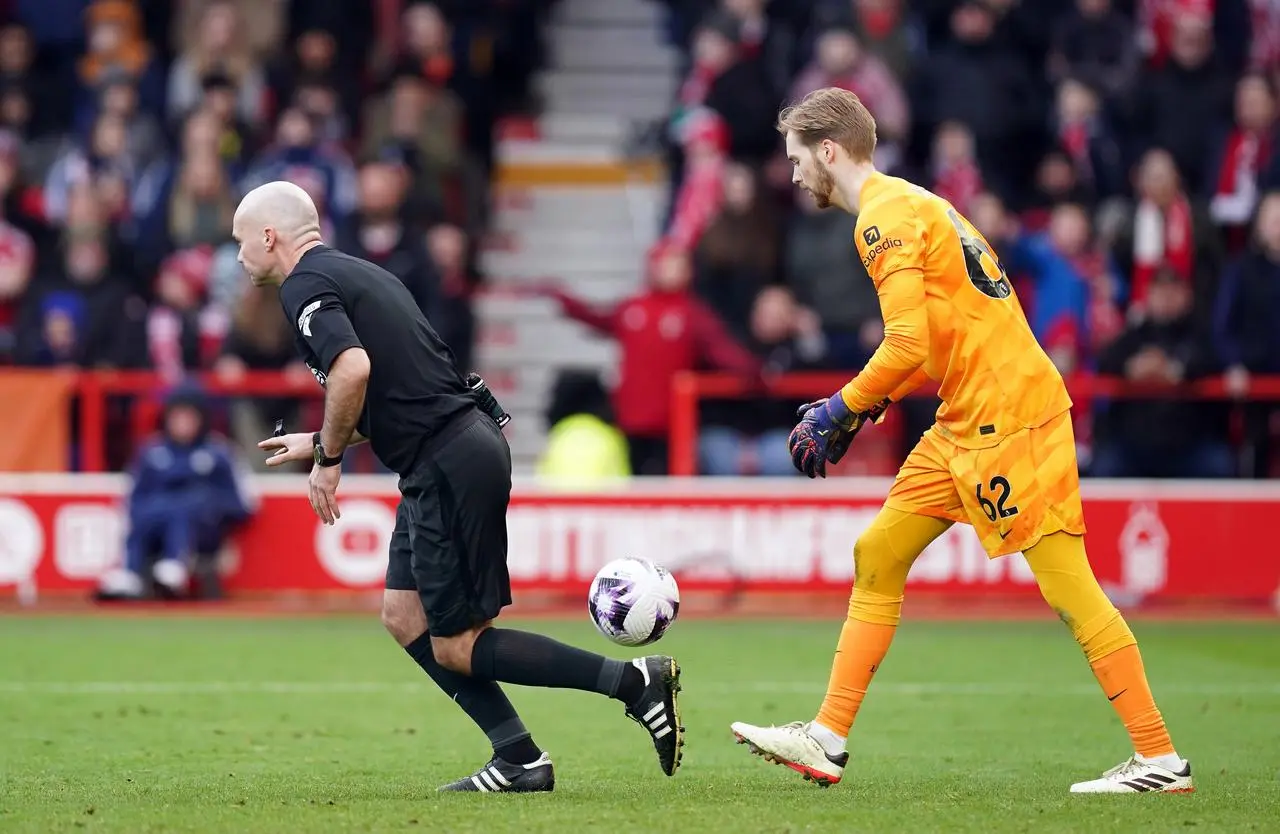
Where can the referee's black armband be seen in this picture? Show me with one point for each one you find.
(486, 401)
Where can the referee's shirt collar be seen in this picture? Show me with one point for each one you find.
(321, 247)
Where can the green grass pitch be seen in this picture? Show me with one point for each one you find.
(322, 725)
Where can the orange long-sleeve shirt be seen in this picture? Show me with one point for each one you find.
(950, 314)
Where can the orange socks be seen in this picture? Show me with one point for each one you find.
(882, 557)
(861, 648)
(1124, 681)
(1062, 569)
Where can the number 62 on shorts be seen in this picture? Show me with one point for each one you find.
(1013, 493)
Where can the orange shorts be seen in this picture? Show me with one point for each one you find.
(1024, 487)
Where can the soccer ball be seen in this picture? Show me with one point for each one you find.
(633, 601)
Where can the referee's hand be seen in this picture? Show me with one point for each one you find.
(288, 448)
(322, 488)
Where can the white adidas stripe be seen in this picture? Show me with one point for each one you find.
(488, 780)
(661, 733)
(480, 786)
(657, 708)
(497, 777)
(658, 722)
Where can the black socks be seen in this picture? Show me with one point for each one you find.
(528, 659)
(483, 701)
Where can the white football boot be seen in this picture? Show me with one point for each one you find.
(1138, 775)
(791, 745)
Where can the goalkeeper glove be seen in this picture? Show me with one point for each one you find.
(826, 430)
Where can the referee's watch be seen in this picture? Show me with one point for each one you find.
(321, 458)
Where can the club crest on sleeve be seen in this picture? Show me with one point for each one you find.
(304, 318)
(870, 235)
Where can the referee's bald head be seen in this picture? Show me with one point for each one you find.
(274, 224)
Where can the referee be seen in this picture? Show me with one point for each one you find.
(389, 379)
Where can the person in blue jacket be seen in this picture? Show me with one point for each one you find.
(186, 498)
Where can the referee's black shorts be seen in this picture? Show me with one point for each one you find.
(450, 541)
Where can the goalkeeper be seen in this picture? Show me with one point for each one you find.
(1001, 455)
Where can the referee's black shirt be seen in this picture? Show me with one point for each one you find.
(336, 302)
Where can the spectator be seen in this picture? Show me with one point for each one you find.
(732, 85)
(185, 331)
(219, 45)
(1094, 43)
(202, 204)
(888, 32)
(116, 48)
(37, 153)
(955, 175)
(1078, 306)
(1162, 437)
(825, 273)
(153, 195)
(319, 100)
(261, 24)
(1166, 230)
(423, 123)
(1245, 157)
(582, 443)
(1228, 22)
(237, 139)
(977, 82)
(82, 315)
(325, 173)
(738, 255)
(1056, 181)
(840, 61)
(19, 73)
(17, 261)
(105, 163)
(378, 232)
(661, 331)
(1087, 137)
(764, 37)
(186, 497)
(144, 138)
(1247, 326)
(701, 192)
(1191, 89)
(314, 61)
(429, 44)
(753, 441)
(20, 204)
(452, 255)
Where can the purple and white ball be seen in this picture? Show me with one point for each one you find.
(633, 601)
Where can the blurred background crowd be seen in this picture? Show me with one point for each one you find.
(1120, 156)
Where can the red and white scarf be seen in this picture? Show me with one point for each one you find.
(1161, 239)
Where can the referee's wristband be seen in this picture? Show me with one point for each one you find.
(321, 458)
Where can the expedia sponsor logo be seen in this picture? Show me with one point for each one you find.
(879, 249)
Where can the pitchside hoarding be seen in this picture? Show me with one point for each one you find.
(1155, 540)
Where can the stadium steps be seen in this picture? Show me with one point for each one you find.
(573, 207)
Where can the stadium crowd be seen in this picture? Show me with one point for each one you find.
(1121, 157)
(130, 128)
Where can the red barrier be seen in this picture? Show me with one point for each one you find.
(1162, 541)
(96, 386)
(689, 389)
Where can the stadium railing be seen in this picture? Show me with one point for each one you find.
(94, 388)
